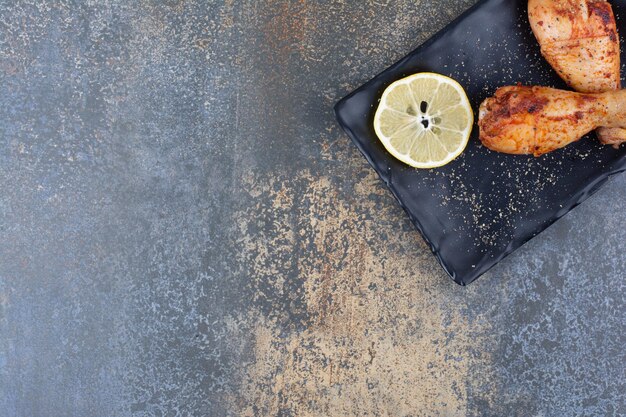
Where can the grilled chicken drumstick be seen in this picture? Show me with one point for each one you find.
(579, 39)
(538, 120)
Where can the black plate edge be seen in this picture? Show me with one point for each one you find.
(416, 223)
(426, 43)
(576, 200)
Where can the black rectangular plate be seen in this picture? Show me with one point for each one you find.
(481, 207)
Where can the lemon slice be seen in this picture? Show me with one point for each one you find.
(424, 120)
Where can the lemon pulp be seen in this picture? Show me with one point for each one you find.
(424, 120)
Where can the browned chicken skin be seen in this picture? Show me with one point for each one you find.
(579, 39)
(538, 120)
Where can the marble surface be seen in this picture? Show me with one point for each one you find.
(187, 232)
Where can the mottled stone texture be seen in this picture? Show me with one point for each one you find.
(187, 232)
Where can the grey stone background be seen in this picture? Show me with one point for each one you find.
(185, 231)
